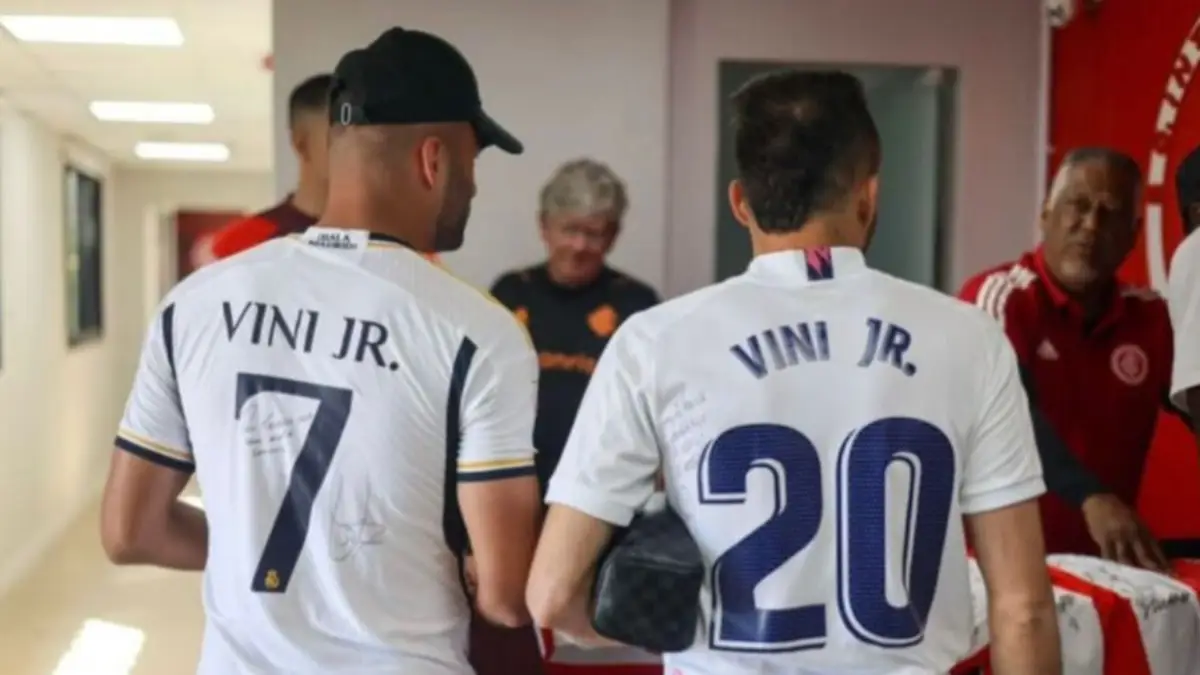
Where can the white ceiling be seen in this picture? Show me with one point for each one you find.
(220, 63)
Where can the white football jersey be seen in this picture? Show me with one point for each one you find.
(823, 428)
(1183, 301)
(329, 390)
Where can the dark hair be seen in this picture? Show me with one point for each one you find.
(311, 95)
(1187, 187)
(803, 140)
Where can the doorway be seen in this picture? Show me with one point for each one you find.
(193, 240)
(915, 111)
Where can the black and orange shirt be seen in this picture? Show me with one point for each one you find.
(1099, 386)
(569, 328)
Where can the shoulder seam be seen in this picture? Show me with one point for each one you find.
(997, 287)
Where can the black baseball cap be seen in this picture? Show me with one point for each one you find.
(412, 77)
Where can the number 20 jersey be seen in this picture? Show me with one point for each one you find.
(329, 391)
(822, 428)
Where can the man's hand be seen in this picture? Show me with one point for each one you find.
(1120, 534)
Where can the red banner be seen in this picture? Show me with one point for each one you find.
(1122, 76)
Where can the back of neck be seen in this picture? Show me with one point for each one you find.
(814, 234)
(309, 198)
(355, 214)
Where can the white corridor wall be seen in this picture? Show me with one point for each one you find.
(634, 83)
(59, 405)
(568, 78)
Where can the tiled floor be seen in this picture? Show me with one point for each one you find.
(79, 615)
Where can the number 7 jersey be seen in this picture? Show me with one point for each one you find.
(822, 429)
(330, 391)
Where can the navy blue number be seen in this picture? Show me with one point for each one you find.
(282, 549)
(795, 465)
(862, 521)
(738, 624)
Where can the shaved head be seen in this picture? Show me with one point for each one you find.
(423, 170)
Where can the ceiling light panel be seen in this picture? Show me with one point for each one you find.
(95, 30)
(152, 112)
(182, 152)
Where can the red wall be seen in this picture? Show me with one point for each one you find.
(1119, 78)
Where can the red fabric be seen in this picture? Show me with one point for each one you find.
(1107, 421)
(1124, 653)
(550, 668)
(1118, 80)
(242, 235)
(571, 669)
(495, 650)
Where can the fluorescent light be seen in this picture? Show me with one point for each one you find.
(95, 30)
(182, 152)
(164, 113)
(102, 648)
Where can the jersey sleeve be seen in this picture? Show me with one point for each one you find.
(999, 296)
(1183, 301)
(611, 459)
(1001, 466)
(499, 405)
(153, 426)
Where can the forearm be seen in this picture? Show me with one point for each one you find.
(177, 539)
(575, 621)
(183, 544)
(1026, 643)
(1065, 476)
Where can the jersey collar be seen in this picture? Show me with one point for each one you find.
(1065, 304)
(809, 265)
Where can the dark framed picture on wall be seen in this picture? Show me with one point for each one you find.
(85, 226)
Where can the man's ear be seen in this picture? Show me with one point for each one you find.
(738, 204)
(433, 160)
(869, 204)
(299, 140)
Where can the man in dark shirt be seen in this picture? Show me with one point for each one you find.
(573, 302)
(1095, 356)
(308, 121)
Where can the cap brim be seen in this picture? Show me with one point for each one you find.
(491, 133)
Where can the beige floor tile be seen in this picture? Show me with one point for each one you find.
(79, 615)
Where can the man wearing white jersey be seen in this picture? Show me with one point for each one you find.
(351, 411)
(1183, 295)
(823, 429)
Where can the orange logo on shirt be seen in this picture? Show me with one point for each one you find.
(522, 315)
(572, 363)
(603, 321)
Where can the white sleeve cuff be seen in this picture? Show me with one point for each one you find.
(592, 502)
(1181, 382)
(1000, 497)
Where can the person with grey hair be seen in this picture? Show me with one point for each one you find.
(1094, 354)
(571, 304)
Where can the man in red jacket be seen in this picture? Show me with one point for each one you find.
(308, 121)
(1095, 356)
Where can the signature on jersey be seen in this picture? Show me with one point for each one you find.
(350, 535)
(266, 433)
